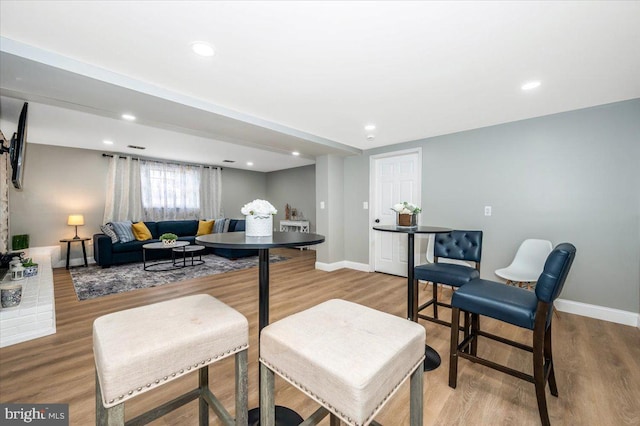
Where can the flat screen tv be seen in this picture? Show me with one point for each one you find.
(18, 147)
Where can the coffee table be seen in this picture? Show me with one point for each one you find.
(192, 250)
(159, 265)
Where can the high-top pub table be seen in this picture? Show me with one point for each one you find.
(432, 360)
(238, 240)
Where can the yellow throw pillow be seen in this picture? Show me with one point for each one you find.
(205, 227)
(141, 232)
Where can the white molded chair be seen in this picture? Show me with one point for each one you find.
(528, 263)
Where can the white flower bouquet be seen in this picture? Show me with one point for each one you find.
(259, 218)
(260, 208)
(406, 208)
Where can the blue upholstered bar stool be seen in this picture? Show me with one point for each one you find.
(140, 349)
(519, 307)
(457, 245)
(348, 358)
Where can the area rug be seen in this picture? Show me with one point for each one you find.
(95, 281)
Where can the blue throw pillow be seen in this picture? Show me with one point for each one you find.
(123, 231)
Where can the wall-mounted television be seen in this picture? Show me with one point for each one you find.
(18, 148)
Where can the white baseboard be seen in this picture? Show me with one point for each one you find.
(330, 267)
(592, 311)
(78, 261)
(598, 312)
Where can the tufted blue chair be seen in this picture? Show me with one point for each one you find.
(519, 307)
(456, 245)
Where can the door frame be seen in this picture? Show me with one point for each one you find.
(372, 198)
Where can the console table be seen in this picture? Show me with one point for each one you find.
(35, 316)
(294, 225)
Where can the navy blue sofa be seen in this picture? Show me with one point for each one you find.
(107, 253)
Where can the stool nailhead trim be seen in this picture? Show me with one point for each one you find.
(330, 407)
(182, 371)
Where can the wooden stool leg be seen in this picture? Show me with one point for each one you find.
(242, 389)
(334, 420)
(538, 374)
(548, 355)
(453, 350)
(267, 401)
(113, 416)
(435, 300)
(416, 397)
(203, 407)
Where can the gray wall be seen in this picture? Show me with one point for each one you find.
(61, 181)
(240, 187)
(58, 182)
(295, 187)
(571, 177)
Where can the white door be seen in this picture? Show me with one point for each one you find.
(395, 177)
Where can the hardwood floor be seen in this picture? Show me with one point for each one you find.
(597, 363)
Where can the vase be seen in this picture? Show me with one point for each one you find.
(407, 219)
(30, 271)
(259, 226)
(168, 243)
(10, 295)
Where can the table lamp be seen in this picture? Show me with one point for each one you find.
(76, 220)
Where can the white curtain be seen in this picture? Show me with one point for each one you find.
(124, 200)
(211, 193)
(152, 190)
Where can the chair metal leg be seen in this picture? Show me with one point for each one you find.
(453, 349)
(267, 401)
(416, 397)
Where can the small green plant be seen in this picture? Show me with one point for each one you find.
(28, 262)
(168, 236)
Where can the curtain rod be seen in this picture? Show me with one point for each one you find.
(104, 154)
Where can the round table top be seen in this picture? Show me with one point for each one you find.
(73, 240)
(412, 229)
(239, 240)
(161, 245)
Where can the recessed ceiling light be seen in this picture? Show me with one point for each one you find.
(128, 117)
(296, 153)
(249, 163)
(107, 142)
(203, 49)
(530, 85)
(370, 127)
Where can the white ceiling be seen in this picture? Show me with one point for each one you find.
(303, 76)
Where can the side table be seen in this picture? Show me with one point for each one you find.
(76, 240)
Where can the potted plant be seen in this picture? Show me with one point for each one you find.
(407, 213)
(259, 218)
(168, 239)
(30, 268)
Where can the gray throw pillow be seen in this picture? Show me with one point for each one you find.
(108, 231)
(124, 231)
(218, 225)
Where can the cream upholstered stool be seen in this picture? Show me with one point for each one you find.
(139, 349)
(347, 357)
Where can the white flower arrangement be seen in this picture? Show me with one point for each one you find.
(259, 208)
(406, 208)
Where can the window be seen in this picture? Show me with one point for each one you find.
(170, 191)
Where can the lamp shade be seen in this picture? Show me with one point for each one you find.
(75, 219)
